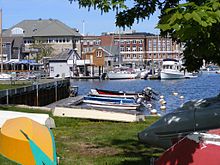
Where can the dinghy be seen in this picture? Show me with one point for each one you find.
(112, 103)
(27, 142)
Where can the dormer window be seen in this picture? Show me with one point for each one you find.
(17, 31)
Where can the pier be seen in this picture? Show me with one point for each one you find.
(38, 94)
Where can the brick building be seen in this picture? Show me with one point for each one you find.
(135, 48)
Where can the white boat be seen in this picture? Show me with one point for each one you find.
(5, 76)
(173, 69)
(123, 74)
(112, 103)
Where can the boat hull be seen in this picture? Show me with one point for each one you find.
(20, 142)
(117, 94)
(113, 103)
(117, 76)
(171, 75)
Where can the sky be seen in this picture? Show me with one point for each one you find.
(15, 11)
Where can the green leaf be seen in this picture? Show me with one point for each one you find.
(196, 17)
(188, 16)
(164, 27)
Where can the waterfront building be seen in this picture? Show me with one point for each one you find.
(64, 64)
(101, 59)
(46, 34)
(136, 48)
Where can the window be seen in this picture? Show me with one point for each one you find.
(127, 41)
(128, 48)
(52, 69)
(140, 48)
(122, 48)
(134, 56)
(128, 56)
(99, 54)
(97, 42)
(17, 31)
(134, 48)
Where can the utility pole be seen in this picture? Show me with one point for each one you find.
(1, 41)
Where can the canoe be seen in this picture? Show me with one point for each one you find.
(27, 142)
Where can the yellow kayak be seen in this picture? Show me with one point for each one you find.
(27, 142)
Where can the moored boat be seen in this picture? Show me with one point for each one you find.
(147, 93)
(123, 73)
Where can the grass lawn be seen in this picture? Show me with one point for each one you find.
(85, 142)
(12, 86)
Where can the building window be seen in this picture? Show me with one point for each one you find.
(134, 41)
(127, 41)
(150, 45)
(140, 48)
(99, 54)
(134, 56)
(97, 42)
(141, 41)
(128, 56)
(128, 49)
(134, 48)
(52, 69)
(122, 48)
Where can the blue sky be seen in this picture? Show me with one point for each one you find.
(15, 11)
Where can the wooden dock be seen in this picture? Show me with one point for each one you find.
(73, 107)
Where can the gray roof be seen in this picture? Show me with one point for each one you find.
(41, 28)
(16, 41)
(65, 55)
(114, 50)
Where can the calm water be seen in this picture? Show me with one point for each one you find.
(207, 85)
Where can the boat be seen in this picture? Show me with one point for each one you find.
(113, 103)
(122, 73)
(5, 76)
(196, 148)
(199, 115)
(27, 142)
(147, 93)
(173, 69)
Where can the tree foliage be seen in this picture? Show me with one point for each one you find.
(196, 23)
(44, 50)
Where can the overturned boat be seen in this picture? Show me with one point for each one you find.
(27, 142)
(201, 115)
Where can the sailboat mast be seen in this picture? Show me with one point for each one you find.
(1, 41)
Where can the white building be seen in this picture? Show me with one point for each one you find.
(64, 64)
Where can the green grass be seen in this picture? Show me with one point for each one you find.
(11, 86)
(98, 142)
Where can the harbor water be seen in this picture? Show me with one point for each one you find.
(207, 85)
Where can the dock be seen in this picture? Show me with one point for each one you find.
(72, 107)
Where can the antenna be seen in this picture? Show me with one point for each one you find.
(83, 28)
(1, 41)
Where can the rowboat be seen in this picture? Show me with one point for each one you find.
(146, 93)
(109, 102)
(27, 142)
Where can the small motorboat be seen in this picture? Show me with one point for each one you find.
(147, 93)
(110, 102)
